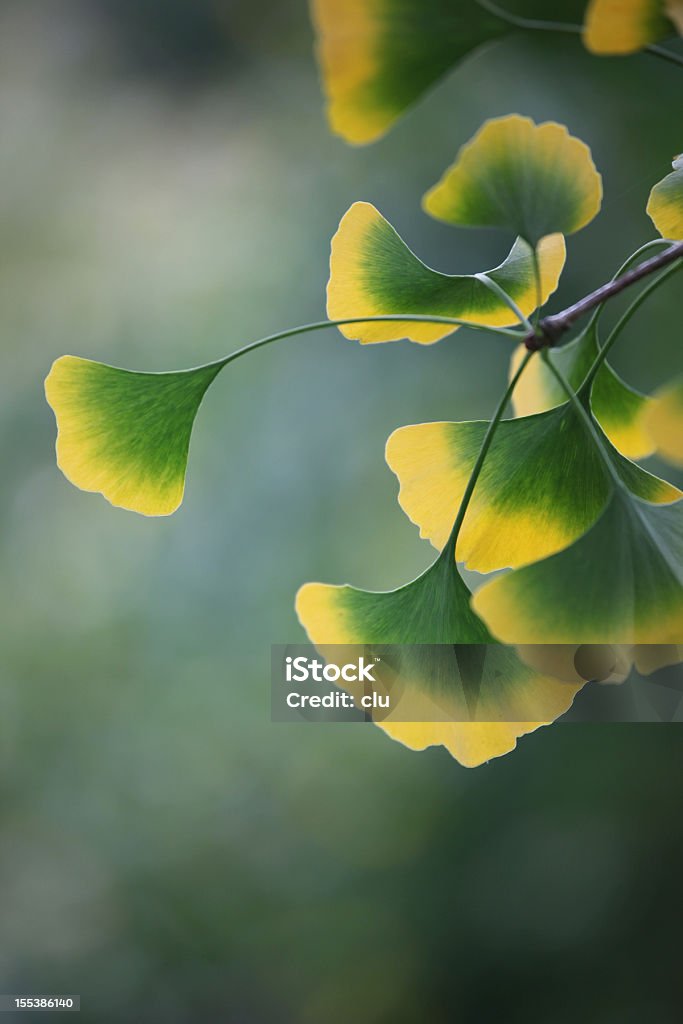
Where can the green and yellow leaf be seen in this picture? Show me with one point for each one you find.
(374, 273)
(664, 421)
(619, 409)
(378, 57)
(536, 180)
(445, 699)
(665, 206)
(617, 27)
(125, 434)
(542, 486)
(620, 583)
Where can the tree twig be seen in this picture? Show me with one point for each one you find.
(551, 328)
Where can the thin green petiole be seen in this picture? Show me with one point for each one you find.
(540, 25)
(656, 243)
(534, 24)
(494, 287)
(539, 289)
(585, 418)
(321, 325)
(481, 457)
(488, 438)
(625, 319)
(664, 54)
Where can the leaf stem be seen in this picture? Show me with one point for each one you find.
(664, 54)
(656, 243)
(481, 457)
(533, 24)
(539, 288)
(585, 418)
(541, 25)
(494, 287)
(320, 325)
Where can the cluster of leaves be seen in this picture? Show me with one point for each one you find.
(379, 56)
(593, 543)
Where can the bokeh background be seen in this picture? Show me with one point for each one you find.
(169, 189)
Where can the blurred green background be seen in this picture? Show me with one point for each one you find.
(169, 189)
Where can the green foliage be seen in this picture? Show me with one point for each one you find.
(593, 541)
(378, 57)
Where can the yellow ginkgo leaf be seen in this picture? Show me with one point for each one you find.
(456, 687)
(378, 57)
(535, 179)
(665, 206)
(618, 27)
(374, 273)
(664, 421)
(621, 583)
(126, 434)
(542, 485)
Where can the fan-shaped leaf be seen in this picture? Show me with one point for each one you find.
(664, 421)
(534, 179)
(374, 273)
(620, 583)
(378, 56)
(616, 27)
(126, 434)
(435, 610)
(542, 485)
(666, 203)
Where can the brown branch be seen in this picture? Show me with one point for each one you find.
(551, 328)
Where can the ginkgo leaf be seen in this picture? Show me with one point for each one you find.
(664, 421)
(620, 583)
(665, 206)
(534, 179)
(447, 697)
(542, 485)
(126, 434)
(374, 273)
(378, 56)
(616, 27)
(619, 409)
